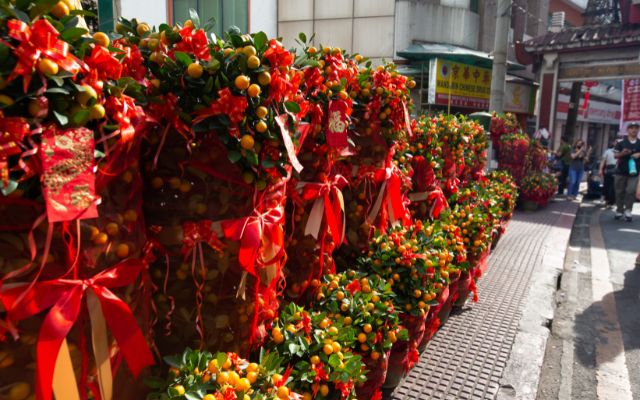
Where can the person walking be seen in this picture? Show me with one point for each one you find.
(563, 154)
(607, 170)
(627, 152)
(579, 154)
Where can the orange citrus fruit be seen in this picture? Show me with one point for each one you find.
(242, 82)
(101, 39)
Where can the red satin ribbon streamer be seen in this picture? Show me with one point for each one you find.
(64, 297)
(12, 131)
(392, 196)
(251, 230)
(39, 40)
(333, 208)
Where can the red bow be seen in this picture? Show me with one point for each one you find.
(327, 196)
(227, 104)
(195, 232)
(39, 40)
(12, 131)
(390, 197)
(193, 41)
(252, 231)
(64, 297)
(123, 110)
(105, 65)
(435, 197)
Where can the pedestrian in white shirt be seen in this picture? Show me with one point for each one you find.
(607, 171)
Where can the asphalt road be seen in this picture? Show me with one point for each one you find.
(593, 351)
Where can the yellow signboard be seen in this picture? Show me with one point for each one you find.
(460, 85)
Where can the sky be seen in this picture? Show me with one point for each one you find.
(581, 3)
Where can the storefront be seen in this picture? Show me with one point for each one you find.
(458, 80)
(596, 124)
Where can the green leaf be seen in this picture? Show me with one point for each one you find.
(192, 396)
(183, 58)
(302, 37)
(334, 360)
(62, 119)
(59, 90)
(154, 382)
(84, 13)
(193, 14)
(72, 34)
(260, 41)
(80, 118)
(252, 158)
(11, 186)
(221, 358)
(234, 156)
(172, 361)
(292, 107)
(268, 163)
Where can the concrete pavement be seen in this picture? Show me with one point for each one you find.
(493, 348)
(594, 348)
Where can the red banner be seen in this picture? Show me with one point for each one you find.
(337, 124)
(630, 103)
(68, 181)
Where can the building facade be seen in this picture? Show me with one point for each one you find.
(420, 35)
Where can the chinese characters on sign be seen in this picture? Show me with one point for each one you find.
(630, 103)
(465, 86)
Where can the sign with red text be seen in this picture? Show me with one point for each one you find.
(630, 103)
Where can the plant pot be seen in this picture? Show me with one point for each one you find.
(376, 376)
(445, 310)
(432, 322)
(529, 205)
(464, 288)
(431, 326)
(395, 367)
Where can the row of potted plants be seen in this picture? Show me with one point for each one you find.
(226, 194)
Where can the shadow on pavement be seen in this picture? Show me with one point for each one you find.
(592, 327)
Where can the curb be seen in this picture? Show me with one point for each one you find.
(522, 372)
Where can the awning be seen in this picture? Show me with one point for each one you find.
(427, 51)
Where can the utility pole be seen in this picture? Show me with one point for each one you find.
(500, 45)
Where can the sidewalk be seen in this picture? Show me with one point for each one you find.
(594, 348)
(489, 349)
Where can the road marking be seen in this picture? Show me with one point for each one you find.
(629, 230)
(612, 373)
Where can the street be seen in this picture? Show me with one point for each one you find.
(594, 350)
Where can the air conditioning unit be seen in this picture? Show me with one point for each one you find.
(557, 21)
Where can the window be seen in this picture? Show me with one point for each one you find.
(225, 13)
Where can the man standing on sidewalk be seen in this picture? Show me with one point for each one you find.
(627, 152)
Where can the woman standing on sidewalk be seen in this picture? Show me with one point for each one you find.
(579, 153)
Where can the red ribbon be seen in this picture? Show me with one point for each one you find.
(333, 208)
(64, 297)
(232, 106)
(196, 232)
(251, 231)
(391, 197)
(41, 39)
(12, 132)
